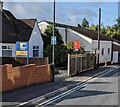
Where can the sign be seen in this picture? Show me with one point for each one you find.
(76, 45)
(53, 40)
(22, 49)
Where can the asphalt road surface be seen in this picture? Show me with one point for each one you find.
(102, 91)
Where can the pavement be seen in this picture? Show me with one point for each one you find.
(46, 90)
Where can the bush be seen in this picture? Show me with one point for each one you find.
(61, 53)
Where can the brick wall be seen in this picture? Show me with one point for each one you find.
(16, 77)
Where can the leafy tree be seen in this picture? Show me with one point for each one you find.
(85, 23)
(110, 31)
(47, 36)
(79, 25)
(103, 30)
(72, 51)
(118, 23)
(92, 27)
(61, 53)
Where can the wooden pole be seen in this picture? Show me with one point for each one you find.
(99, 22)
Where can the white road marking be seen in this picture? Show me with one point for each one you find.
(71, 90)
(86, 80)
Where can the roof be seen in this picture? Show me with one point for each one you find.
(15, 29)
(86, 32)
(24, 28)
(91, 34)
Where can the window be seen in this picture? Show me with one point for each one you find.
(35, 47)
(4, 47)
(9, 47)
(108, 51)
(35, 51)
(102, 51)
(6, 53)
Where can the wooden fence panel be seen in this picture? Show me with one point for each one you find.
(78, 63)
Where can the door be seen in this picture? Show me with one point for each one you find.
(115, 56)
(35, 53)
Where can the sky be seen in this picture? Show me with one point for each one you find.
(71, 13)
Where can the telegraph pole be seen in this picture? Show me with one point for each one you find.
(99, 22)
(53, 62)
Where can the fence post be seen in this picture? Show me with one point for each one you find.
(81, 64)
(68, 64)
(75, 63)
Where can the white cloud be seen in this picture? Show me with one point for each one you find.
(24, 10)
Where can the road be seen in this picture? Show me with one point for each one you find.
(102, 90)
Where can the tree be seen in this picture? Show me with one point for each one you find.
(85, 23)
(47, 36)
(118, 23)
(79, 25)
(92, 27)
(103, 30)
(61, 53)
(111, 31)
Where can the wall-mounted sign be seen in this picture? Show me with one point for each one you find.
(76, 44)
(22, 49)
(53, 40)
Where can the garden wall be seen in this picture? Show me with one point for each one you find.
(16, 77)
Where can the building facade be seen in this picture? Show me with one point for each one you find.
(87, 38)
(19, 30)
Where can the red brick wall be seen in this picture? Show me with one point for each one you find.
(15, 77)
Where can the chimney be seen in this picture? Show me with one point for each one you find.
(1, 5)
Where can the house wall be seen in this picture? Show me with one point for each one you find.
(36, 40)
(103, 44)
(63, 34)
(86, 42)
(116, 47)
(13, 48)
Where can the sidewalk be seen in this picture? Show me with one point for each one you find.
(61, 82)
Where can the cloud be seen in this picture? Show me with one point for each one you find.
(39, 10)
(70, 13)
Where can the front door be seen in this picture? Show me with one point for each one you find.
(115, 56)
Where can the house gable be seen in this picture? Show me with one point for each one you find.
(36, 40)
(15, 29)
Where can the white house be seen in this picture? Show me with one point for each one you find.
(87, 38)
(21, 30)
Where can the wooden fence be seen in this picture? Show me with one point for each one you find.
(22, 61)
(78, 63)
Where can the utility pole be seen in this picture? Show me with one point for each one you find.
(99, 22)
(53, 73)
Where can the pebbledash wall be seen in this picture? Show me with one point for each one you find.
(16, 77)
